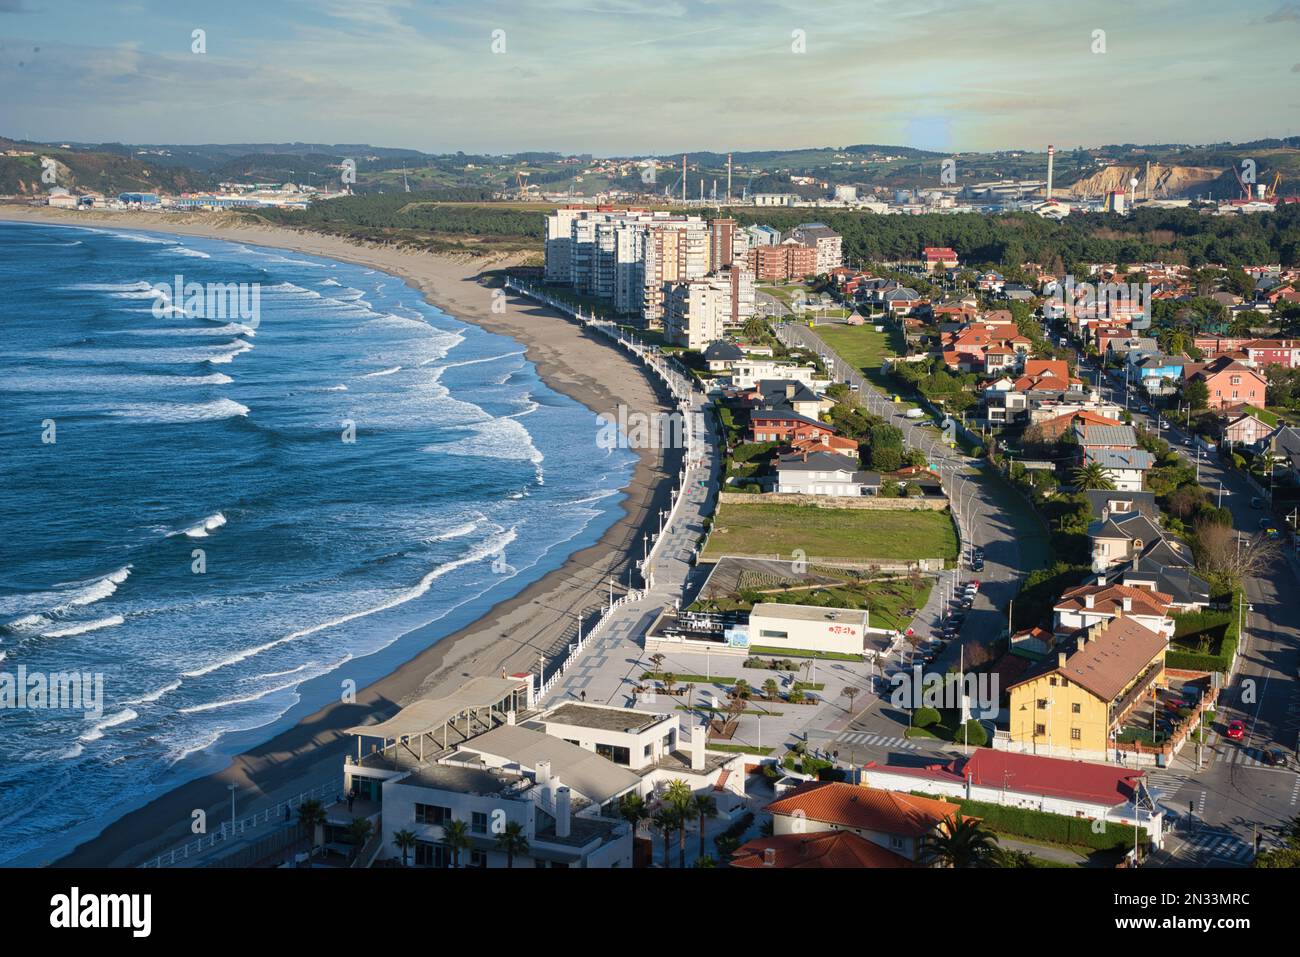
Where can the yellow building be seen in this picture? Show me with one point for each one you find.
(1071, 703)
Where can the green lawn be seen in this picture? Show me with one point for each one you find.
(847, 533)
(885, 598)
(865, 348)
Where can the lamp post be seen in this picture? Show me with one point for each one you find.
(232, 788)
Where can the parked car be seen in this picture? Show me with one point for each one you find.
(1236, 731)
(1275, 757)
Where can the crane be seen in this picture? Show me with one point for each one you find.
(1245, 190)
(1272, 187)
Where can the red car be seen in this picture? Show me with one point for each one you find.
(1236, 730)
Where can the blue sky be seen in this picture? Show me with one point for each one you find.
(651, 76)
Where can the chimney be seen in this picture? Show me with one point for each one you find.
(698, 734)
(1128, 603)
(1101, 581)
(543, 774)
(1089, 600)
(1051, 154)
(1060, 659)
(563, 815)
(769, 857)
(510, 717)
(789, 390)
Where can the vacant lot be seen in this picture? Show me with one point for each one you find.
(830, 533)
(863, 347)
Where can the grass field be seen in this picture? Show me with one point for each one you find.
(865, 348)
(847, 533)
(886, 599)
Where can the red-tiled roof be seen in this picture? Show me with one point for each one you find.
(819, 849)
(1109, 600)
(847, 805)
(1029, 774)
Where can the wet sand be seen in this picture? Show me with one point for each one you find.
(511, 636)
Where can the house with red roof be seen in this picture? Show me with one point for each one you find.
(1088, 605)
(1099, 792)
(939, 257)
(829, 849)
(899, 823)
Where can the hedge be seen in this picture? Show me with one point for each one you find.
(1202, 621)
(1042, 826)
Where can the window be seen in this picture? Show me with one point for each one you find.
(1042, 704)
(1052, 681)
(649, 749)
(1076, 734)
(478, 859)
(616, 754)
(1040, 730)
(783, 635)
(432, 855)
(1076, 708)
(478, 822)
(431, 814)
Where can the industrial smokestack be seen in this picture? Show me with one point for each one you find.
(683, 177)
(728, 177)
(1051, 152)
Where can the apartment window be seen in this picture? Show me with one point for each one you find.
(1076, 708)
(1040, 730)
(1052, 681)
(616, 754)
(1042, 704)
(1076, 734)
(431, 814)
(649, 749)
(478, 822)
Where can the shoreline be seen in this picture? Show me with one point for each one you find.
(510, 635)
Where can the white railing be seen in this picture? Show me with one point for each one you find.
(678, 384)
(229, 830)
(576, 648)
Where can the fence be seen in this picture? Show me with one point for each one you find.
(228, 829)
(576, 647)
(679, 385)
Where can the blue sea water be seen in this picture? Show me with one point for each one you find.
(174, 433)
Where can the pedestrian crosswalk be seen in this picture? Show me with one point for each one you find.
(862, 739)
(1165, 783)
(1242, 757)
(1215, 846)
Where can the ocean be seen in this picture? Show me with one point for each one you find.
(212, 501)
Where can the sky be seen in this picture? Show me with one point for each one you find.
(640, 77)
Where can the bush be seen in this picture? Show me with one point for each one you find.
(925, 717)
(974, 735)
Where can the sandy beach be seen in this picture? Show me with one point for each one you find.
(511, 636)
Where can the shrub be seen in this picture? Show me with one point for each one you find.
(974, 735)
(925, 717)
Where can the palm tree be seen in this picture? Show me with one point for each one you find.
(311, 815)
(665, 822)
(690, 695)
(360, 830)
(960, 842)
(404, 840)
(677, 795)
(513, 841)
(657, 660)
(1093, 476)
(770, 688)
(455, 834)
(705, 807)
(668, 680)
(633, 810)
